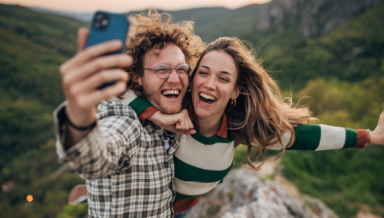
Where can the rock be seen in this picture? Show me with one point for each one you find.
(243, 195)
(313, 17)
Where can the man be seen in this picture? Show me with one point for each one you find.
(128, 166)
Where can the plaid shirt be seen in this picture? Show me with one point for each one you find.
(128, 170)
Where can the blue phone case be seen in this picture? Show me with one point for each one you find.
(116, 28)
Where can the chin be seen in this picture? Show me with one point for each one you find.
(170, 110)
(202, 113)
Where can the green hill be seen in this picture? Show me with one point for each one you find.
(32, 47)
(213, 22)
(350, 53)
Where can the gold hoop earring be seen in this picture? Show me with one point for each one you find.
(233, 102)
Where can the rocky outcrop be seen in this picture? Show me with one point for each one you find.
(314, 17)
(244, 195)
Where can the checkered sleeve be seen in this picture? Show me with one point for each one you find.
(109, 147)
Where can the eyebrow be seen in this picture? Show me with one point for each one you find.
(223, 72)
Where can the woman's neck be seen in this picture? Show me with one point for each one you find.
(208, 126)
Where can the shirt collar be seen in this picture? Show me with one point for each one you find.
(223, 130)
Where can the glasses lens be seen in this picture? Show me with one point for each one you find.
(183, 70)
(162, 70)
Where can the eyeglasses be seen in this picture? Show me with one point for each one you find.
(164, 70)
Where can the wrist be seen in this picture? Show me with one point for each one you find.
(83, 125)
(373, 138)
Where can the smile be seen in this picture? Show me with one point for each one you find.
(208, 99)
(171, 93)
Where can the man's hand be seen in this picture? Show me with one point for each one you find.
(87, 70)
(177, 123)
(83, 73)
(377, 136)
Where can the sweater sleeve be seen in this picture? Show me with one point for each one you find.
(323, 137)
(140, 105)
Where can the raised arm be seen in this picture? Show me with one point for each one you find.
(81, 75)
(83, 142)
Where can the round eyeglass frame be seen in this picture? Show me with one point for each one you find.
(170, 70)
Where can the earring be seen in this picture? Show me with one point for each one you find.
(233, 102)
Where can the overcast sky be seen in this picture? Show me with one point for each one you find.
(129, 5)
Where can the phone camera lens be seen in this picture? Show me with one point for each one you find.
(104, 22)
(101, 21)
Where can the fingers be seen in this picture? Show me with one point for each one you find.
(184, 122)
(381, 118)
(98, 79)
(82, 36)
(90, 53)
(93, 99)
(190, 132)
(96, 65)
(187, 132)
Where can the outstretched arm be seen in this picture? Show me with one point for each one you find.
(324, 137)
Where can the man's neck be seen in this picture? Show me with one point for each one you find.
(208, 126)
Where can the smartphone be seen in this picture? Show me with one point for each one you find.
(106, 26)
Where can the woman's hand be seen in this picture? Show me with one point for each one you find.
(377, 136)
(177, 123)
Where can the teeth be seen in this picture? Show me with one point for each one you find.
(207, 97)
(171, 92)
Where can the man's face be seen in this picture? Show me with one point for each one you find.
(164, 94)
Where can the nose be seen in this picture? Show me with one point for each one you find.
(173, 77)
(210, 83)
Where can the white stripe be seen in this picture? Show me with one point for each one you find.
(128, 97)
(218, 156)
(193, 188)
(331, 138)
(286, 136)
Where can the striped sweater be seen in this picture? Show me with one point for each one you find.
(202, 162)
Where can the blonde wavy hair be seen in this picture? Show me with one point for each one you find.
(152, 32)
(261, 115)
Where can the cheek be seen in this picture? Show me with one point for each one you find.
(226, 92)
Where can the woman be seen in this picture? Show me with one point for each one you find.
(230, 90)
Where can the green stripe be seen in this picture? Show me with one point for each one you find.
(350, 138)
(211, 140)
(183, 197)
(307, 137)
(139, 105)
(189, 173)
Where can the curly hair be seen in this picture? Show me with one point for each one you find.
(152, 32)
(261, 115)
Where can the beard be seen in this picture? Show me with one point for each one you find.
(153, 96)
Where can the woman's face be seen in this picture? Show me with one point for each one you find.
(214, 84)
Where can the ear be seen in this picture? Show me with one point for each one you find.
(137, 78)
(235, 93)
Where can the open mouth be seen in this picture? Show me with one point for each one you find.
(208, 99)
(171, 93)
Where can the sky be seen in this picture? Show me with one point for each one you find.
(129, 5)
